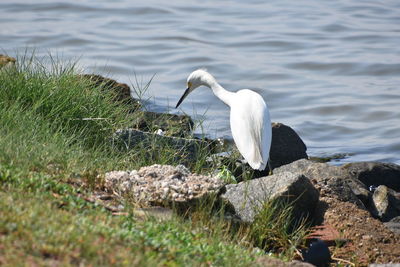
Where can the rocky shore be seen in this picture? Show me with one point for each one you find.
(354, 209)
(353, 221)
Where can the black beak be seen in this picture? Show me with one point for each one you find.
(183, 97)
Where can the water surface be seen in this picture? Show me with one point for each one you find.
(329, 69)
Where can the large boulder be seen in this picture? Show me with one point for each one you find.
(286, 146)
(162, 185)
(386, 203)
(330, 180)
(247, 198)
(376, 173)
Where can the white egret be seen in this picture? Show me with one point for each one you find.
(249, 118)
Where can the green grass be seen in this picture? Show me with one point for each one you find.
(54, 117)
(274, 228)
(56, 131)
(44, 221)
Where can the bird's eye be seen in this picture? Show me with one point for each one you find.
(189, 84)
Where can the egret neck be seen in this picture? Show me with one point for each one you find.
(249, 118)
(223, 94)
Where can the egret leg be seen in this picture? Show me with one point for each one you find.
(270, 168)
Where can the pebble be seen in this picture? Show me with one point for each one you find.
(157, 183)
(174, 187)
(366, 237)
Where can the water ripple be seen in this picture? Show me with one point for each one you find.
(330, 70)
(349, 68)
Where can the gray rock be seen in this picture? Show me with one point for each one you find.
(360, 190)
(186, 149)
(394, 225)
(386, 203)
(375, 173)
(246, 198)
(301, 165)
(286, 146)
(331, 179)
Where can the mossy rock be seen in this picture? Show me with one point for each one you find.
(170, 124)
(122, 90)
(6, 61)
(184, 150)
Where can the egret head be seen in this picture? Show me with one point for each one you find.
(196, 78)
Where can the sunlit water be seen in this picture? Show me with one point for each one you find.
(329, 69)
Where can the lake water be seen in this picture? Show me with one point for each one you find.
(329, 69)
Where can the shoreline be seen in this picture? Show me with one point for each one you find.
(63, 134)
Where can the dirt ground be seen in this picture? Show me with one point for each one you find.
(358, 239)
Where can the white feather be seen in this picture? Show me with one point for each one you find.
(249, 118)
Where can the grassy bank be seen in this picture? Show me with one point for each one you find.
(55, 134)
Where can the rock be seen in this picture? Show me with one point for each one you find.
(170, 124)
(360, 190)
(301, 165)
(274, 262)
(318, 254)
(331, 180)
(162, 185)
(375, 173)
(186, 149)
(394, 225)
(286, 146)
(342, 184)
(122, 90)
(386, 203)
(6, 61)
(246, 198)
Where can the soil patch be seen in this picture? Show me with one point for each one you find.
(366, 239)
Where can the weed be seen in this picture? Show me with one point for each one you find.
(275, 229)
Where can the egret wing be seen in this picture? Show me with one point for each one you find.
(251, 128)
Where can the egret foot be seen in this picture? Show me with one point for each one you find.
(270, 168)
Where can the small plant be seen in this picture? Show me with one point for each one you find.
(226, 175)
(139, 88)
(274, 228)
